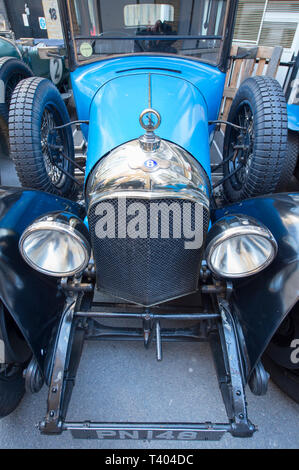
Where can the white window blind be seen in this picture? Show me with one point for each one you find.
(278, 34)
(283, 6)
(280, 23)
(248, 20)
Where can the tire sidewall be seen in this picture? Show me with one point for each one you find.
(12, 390)
(293, 143)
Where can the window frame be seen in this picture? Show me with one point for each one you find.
(226, 40)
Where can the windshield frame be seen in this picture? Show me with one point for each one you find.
(225, 47)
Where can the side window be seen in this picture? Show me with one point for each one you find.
(85, 17)
(212, 17)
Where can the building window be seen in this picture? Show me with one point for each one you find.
(268, 23)
(248, 20)
(278, 34)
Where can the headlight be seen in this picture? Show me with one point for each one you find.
(239, 246)
(56, 245)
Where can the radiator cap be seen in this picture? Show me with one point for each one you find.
(150, 120)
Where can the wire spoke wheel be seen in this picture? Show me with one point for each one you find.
(241, 147)
(52, 158)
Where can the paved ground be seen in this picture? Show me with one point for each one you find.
(122, 381)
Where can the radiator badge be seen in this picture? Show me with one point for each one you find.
(150, 164)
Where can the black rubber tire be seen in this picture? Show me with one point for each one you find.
(12, 71)
(12, 390)
(290, 162)
(31, 99)
(4, 137)
(17, 354)
(277, 358)
(265, 98)
(285, 379)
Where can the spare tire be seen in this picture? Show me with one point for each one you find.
(254, 156)
(12, 71)
(42, 155)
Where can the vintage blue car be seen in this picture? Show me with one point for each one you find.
(146, 239)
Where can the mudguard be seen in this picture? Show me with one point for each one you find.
(262, 301)
(8, 48)
(33, 300)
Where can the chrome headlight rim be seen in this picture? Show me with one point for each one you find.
(48, 224)
(247, 227)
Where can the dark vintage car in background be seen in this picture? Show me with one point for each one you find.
(145, 238)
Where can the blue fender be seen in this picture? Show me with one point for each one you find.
(262, 301)
(293, 117)
(32, 299)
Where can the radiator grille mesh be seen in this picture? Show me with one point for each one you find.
(145, 271)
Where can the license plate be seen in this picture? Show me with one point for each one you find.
(149, 434)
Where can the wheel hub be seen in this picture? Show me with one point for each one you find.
(51, 142)
(242, 146)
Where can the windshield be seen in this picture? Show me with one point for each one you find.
(192, 28)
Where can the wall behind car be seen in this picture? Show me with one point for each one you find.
(4, 22)
(26, 18)
(38, 19)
